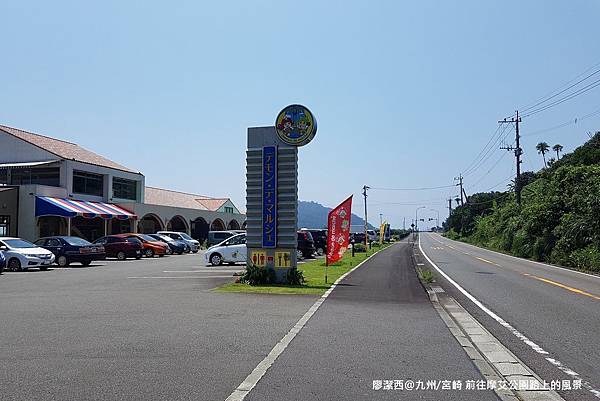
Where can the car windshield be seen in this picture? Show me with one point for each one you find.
(184, 235)
(76, 241)
(19, 243)
(146, 237)
(166, 238)
(133, 240)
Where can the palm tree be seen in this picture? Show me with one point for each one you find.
(542, 149)
(557, 148)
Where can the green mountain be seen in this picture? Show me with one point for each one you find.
(314, 215)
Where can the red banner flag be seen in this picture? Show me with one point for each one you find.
(338, 231)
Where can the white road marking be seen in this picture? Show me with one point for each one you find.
(202, 271)
(518, 334)
(261, 369)
(526, 260)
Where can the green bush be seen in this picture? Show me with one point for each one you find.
(360, 248)
(255, 275)
(295, 277)
(586, 259)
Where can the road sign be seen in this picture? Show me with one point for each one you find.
(283, 259)
(259, 258)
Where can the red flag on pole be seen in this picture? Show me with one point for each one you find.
(338, 231)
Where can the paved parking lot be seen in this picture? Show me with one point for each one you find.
(148, 329)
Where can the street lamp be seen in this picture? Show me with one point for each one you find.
(417, 217)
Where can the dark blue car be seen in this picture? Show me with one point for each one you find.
(72, 250)
(2, 262)
(175, 246)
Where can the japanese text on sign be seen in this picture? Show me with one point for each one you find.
(269, 197)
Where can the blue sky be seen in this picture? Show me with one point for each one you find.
(406, 93)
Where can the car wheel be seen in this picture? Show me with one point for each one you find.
(86, 263)
(149, 253)
(62, 261)
(43, 268)
(320, 251)
(138, 257)
(216, 259)
(196, 251)
(121, 255)
(169, 251)
(298, 254)
(14, 265)
(160, 256)
(180, 253)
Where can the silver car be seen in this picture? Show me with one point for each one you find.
(193, 244)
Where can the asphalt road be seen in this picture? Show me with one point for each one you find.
(378, 324)
(557, 309)
(134, 330)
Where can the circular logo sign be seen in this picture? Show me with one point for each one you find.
(296, 125)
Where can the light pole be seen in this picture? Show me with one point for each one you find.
(437, 222)
(417, 217)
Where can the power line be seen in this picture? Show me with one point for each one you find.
(560, 92)
(550, 95)
(565, 124)
(493, 148)
(570, 96)
(502, 156)
(482, 150)
(412, 189)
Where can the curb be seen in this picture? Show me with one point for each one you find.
(493, 360)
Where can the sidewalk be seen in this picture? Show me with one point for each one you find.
(377, 325)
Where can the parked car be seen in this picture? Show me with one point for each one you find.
(117, 246)
(306, 244)
(21, 254)
(320, 239)
(151, 246)
(2, 262)
(231, 251)
(175, 246)
(72, 249)
(192, 243)
(359, 238)
(373, 236)
(216, 237)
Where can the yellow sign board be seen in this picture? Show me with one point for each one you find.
(283, 260)
(259, 258)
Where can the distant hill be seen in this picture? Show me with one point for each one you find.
(314, 215)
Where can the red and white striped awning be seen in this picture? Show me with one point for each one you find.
(49, 206)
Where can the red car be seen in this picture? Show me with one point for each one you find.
(151, 245)
(120, 247)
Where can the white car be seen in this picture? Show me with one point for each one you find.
(21, 254)
(232, 251)
(193, 244)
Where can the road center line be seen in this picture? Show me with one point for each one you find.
(487, 261)
(555, 362)
(566, 287)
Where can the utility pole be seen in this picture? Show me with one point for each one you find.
(460, 182)
(366, 222)
(518, 152)
(449, 206)
(404, 224)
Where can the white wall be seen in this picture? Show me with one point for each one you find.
(13, 150)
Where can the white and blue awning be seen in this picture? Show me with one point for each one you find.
(50, 206)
